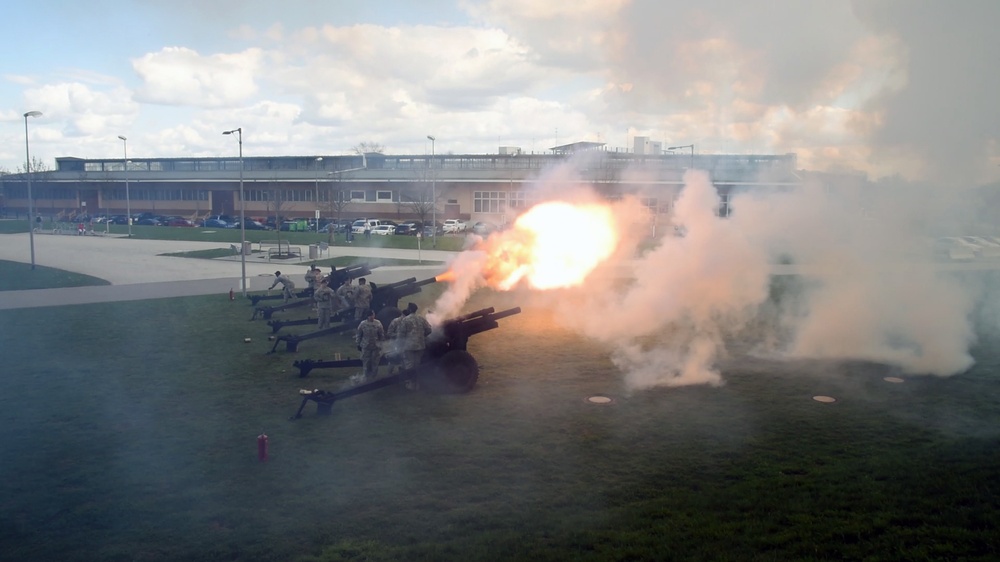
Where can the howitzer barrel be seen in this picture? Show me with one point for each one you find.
(396, 285)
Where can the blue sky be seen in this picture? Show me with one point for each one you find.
(883, 87)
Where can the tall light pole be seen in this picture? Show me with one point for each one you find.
(27, 170)
(243, 219)
(128, 199)
(691, 146)
(318, 161)
(434, 203)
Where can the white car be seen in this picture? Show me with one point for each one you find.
(454, 225)
(384, 230)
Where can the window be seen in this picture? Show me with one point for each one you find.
(489, 202)
(383, 196)
(357, 196)
(518, 200)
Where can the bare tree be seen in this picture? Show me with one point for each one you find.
(337, 203)
(369, 147)
(277, 199)
(419, 200)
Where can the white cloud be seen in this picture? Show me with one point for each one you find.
(181, 76)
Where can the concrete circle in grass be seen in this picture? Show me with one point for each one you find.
(896, 380)
(600, 400)
(825, 399)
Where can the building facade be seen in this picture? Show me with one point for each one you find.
(492, 188)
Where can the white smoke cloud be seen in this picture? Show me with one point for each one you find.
(833, 272)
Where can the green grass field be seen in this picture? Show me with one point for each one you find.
(17, 276)
(129, 433)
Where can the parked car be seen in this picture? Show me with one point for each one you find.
(214, 222)
(177, 221)
(429, 230)
(384, 230)
(150, 221)
(360, 225)
(484, 228)
(251, 224)
(118, 219)
(454, 225)
(410, 228)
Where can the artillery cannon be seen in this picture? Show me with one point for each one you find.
(385, 300)
(336, 278)
(267, 311)
(292, 340)
(446, 365)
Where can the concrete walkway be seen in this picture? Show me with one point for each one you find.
(137, 269)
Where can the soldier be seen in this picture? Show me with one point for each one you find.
(346, 294)
(325, 298)
(312, 279)
(369, 337)
(362, 299)
(412, 333)
(393, 347)
(287, 285)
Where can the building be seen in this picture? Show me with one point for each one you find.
(475, 187)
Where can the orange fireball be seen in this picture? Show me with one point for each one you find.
(553, 245)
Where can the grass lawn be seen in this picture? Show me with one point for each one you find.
(129, 433)
(17, 276)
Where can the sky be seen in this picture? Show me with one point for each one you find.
(888, 88)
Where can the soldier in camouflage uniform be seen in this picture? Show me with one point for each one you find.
(287, 285)
(362, 299)
(312, 279)
(346, 294)
(325, 298)
(369, 337)
(412, 333)
(393, 349)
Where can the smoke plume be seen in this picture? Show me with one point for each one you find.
(819, 271)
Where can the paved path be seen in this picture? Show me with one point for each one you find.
(137, 269)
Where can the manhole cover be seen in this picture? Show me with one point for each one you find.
(602, 400)
(825, 399)
(896, 380)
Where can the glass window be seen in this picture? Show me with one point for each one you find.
(384, 196)
(357, 196)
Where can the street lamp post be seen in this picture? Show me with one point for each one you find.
(691, 146)
(27, 170)
(128, 200)
(318, 163)
(243, 219)
(434, 222)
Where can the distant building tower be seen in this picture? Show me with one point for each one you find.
(643, 146)
(510, 150)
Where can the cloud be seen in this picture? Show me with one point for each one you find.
(181, 76)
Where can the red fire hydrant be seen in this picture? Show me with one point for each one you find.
(262, 446)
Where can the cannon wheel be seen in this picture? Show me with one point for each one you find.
(456, 372)
(386, 315)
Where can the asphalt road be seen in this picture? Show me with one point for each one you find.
(137, 269)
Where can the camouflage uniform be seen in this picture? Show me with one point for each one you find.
(393, 348)
(362, 300)
(413, 331)
(312, 280)
(346, 294)
(287, 285)
(368, 337)
(325, 298)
